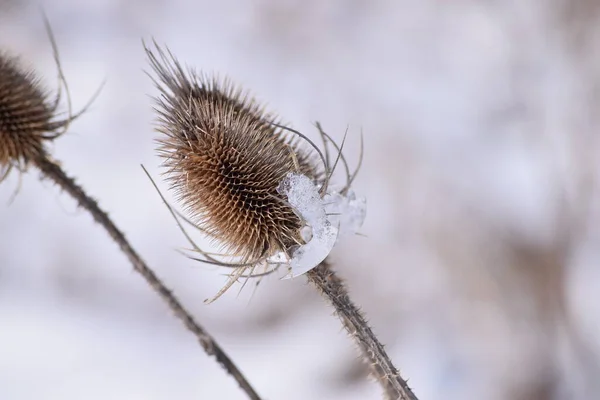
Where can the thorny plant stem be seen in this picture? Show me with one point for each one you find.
(334, 290)
(53, 171)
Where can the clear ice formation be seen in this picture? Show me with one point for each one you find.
(328, 218)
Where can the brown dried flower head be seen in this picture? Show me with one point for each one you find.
(225, 157)
(29, 119)
(26, 116)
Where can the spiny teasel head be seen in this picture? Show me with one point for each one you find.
(29, 119)
(226, 157)
(26, 116)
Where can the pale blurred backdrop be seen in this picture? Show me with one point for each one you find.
(480, 268)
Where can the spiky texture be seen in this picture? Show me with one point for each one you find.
(225, 159)
(26, 117)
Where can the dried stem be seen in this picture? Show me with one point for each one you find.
(333, 289)
(53, 171)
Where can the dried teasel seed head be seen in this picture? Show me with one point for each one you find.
(225, 159)
(26, 116)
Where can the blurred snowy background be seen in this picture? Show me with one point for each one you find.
(481, 265)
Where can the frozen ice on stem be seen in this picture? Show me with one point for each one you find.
(328, 217)
(303, 196)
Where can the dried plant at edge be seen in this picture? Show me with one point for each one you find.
(28, 121)
(27, 117)
(225, 158)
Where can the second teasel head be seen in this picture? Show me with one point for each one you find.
(225, 157)
(29, 117)
(26, 115)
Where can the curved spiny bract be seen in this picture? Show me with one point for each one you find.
(225, 159)
(27, 117)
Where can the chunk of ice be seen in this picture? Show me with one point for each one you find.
(329, 218)
(303, 196)
(346, 212)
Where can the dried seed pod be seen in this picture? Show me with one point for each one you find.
(229, 162)
(26, 116)
(225, 158)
